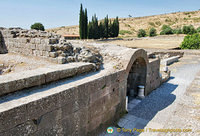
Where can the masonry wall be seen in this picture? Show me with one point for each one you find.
(85, 109)
(153, 75)
(42, 44)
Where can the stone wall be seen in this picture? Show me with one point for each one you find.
(80, 106)
(83, 110)
(47, 45)
(153, 75)
(3, 48)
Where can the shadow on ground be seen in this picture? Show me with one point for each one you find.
(143, 111)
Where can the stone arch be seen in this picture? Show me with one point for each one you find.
(136, 71)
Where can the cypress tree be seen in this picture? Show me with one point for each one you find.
(90, 31)
(86, 24)
(106, 27)
(101, 30)
(81, 22)
(117, 27)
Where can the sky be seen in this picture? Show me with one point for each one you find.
(57, 13)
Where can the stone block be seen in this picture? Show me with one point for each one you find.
(32, 46)
(52, 76)
(68, 96)
(38, 108)
(37, 41)
(53, 54)
(61, 60)
(53, 41)
(32, 41)
(85, 68)
(48, 48)
(12, 118)
(96, 108)
(27, 128)
(65, 73)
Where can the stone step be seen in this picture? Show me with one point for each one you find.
(17, 81)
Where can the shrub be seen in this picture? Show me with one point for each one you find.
(191, 42)
(177, 31)
(152, 32)
(141, 33)
(198, 29)
(123, 32)
(166, 30)
(189, 29)
(37, 26)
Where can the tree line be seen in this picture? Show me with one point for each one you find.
(95, 29)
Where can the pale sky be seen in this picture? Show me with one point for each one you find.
(56, 13)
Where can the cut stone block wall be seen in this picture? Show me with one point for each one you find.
(83, 110)
(47, 45)
(17, 81)
(153, 75)
(83, 106)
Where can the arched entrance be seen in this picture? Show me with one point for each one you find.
(136, 77)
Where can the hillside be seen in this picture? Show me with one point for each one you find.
(130, 26)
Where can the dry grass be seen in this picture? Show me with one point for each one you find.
(175, 20)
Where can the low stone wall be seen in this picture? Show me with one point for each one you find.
(84, 109)
(153, 75)
(18, 81)
(47, 45)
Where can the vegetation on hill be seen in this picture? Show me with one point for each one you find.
(129, 27)
(38, 26)
(141, 33)
(152, 32)
(191, 42)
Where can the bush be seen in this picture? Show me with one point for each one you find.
(141, 33)
(198, 29)
(123, 32)
(152, 32)
(191, 42)
(166, 30)
(189, 29)
(37, 26)
(177, 31)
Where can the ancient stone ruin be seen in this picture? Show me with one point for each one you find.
(72, 98)
(47, 45)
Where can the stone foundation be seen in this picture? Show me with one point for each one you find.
(47, 45)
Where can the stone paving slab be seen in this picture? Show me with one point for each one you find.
(18, 81)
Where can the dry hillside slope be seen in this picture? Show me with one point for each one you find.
(130, 26)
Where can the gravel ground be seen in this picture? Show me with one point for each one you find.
(171, 106)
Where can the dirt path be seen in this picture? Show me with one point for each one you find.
(174, 105)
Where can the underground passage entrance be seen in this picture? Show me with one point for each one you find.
(137, 79)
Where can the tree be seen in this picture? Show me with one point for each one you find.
(117, 27)
(85, 25)
(189, 29)
(81, 23)
(141, 33)
(198, 29)
(191, 42)
(90, 31)
(152, 32)
(38, 26)
(106, 30)
(101, 30)
(93, 28)
(166, 30)
(177, 31)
